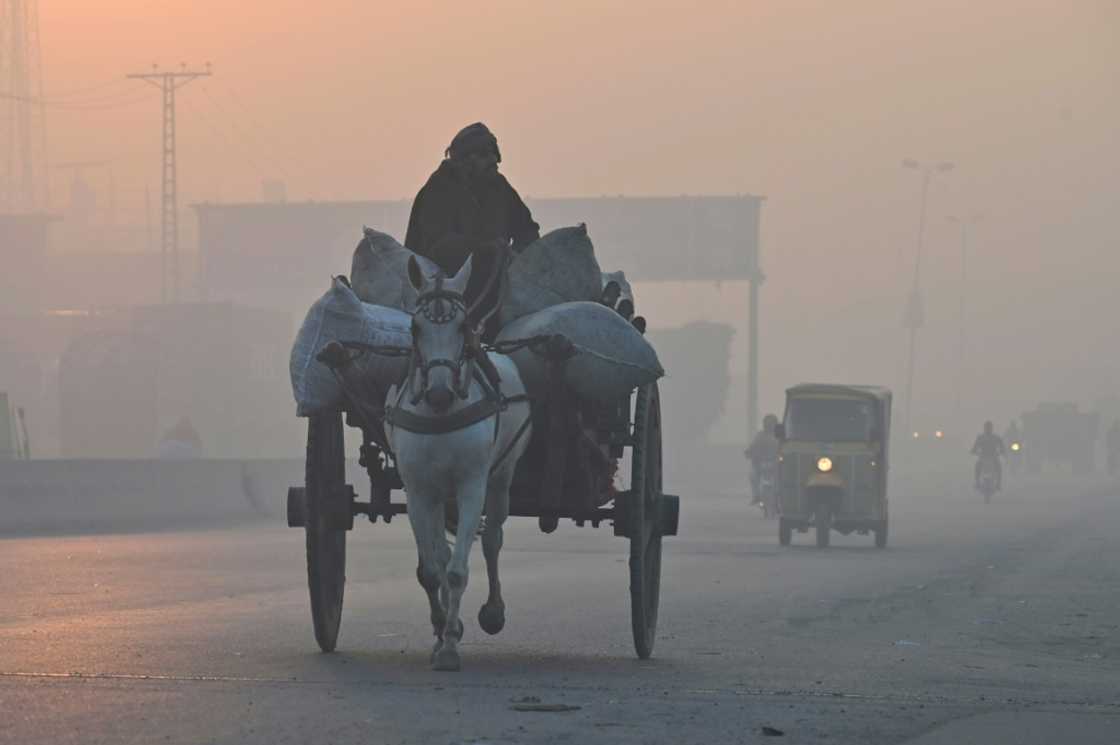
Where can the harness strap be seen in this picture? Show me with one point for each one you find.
(512, 443)
(479, 411)
(428, 425)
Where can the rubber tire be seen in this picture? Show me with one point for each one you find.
(881, 535)
(823, 521)
(644, 520)
(785, 532)
(326, 547)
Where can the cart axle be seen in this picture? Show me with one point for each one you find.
(297, 512)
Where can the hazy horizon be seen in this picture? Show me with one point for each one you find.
(813, 105)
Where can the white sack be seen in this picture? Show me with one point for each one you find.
(379, 271)
(340, 316)
(559, 267)
(612, 357)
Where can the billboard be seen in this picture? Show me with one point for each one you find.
(254, 250)
(665, 238)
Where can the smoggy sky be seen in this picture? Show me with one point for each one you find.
(813, 104)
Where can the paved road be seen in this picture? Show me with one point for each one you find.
(978, 624)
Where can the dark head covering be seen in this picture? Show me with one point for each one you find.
(475, 138)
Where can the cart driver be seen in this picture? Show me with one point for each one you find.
(468, 208)
(989, 449)
(764, 448)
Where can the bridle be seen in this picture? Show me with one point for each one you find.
(441, 306)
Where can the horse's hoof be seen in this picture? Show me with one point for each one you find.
(492, 618)
(435, 650)
(446, 659)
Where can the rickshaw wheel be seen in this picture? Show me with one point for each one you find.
(785, 532)
(644, 518)
(823, 520)
(881, 535)
(325, 480)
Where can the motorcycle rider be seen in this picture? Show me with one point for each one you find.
(763, 449)
(989, 449)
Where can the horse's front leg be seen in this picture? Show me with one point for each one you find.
(471, 494)
(426, 518)
(492, 615)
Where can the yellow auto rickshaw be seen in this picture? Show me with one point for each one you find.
(832, 461)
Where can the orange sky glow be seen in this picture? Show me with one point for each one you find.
(813, 104)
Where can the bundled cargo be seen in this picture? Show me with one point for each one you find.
(559, 267)
(340, 316)
(379, 271)
(611, 358)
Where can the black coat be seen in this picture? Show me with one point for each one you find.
(454, 217)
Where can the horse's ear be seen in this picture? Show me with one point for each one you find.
(415, 274)
(459, 282)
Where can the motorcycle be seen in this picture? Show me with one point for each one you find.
(988, 484)
(767, 495)
(1014, 456)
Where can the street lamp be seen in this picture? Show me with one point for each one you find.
(965, 222)
(914, 315)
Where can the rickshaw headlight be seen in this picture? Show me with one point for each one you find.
(1016, 447)
(824, 465)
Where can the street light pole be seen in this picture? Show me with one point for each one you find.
(965, 223)
(915, 315)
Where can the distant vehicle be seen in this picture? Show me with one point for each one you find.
(1014, 456)
(833, 461)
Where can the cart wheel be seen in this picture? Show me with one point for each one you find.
(645, 520)
(785, 532)
(326, 540)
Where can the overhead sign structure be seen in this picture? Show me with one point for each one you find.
(665, 238)
(650, 238)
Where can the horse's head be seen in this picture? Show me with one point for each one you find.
(441, 334)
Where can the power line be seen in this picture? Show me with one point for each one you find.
(121, 97)
(119, 102)
(243, 135)
(256, 125)
(234, 146)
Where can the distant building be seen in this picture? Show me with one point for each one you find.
(274, 190)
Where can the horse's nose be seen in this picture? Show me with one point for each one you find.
(439, 397)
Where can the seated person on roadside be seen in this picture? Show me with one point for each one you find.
(763, 448)
(468, 208)
(989, 449)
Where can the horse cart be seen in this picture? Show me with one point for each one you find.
(570, 469)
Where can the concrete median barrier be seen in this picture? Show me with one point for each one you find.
(107, 495)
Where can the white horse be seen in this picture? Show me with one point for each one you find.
(456, 439)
